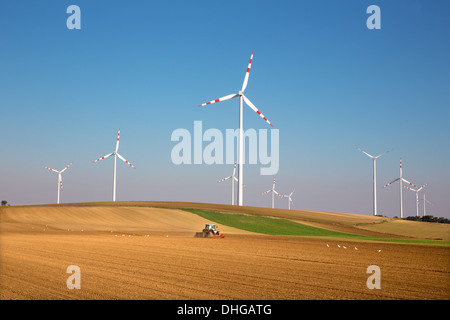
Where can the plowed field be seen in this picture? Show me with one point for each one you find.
(150, 253)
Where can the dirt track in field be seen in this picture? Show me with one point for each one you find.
(118, 261)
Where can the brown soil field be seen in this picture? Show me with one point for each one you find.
(118, 260)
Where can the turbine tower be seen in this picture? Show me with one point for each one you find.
(289, 198)
(233, 178)
(401, 180)
(274, 192)
(374, 177)
(242, 98)
(60, 185)
(115, 154)
(417, 196)
(424, 202)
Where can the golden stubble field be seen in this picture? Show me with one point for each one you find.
(118, 260)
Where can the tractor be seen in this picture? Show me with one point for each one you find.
(209, 232)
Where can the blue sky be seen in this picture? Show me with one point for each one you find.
(319, 74)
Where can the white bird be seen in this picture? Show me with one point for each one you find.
(356, 248)
(328, 245)
(379, 251)
(339, 246)
(344, 247)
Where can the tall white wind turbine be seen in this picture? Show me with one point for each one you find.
(60, 185)
(242, 98)
(374, 177)
(401, 180)
(425, 201)
(233, 178)
(273, 191)
(417, 196)
(115, 154)
(289, 196)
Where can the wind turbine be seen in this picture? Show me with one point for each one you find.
(242, 98)
(401, 180)
(274, 192)
(60, 185)
(425, 201)
(233, 178)
(289, 197)
(115, 154)
(417, 196)
(374, 177)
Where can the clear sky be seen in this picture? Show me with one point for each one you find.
(324, 79)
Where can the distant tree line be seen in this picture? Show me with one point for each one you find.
(429, 219)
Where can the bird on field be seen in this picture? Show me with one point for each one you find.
(356, 248)
(379, 251)
(339, 246)
(328, 245)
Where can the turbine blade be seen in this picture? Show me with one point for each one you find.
(364, 152)
(383, 153)
(236, 179)
(124, 160)
(66, 168)
(247, 74)
(391, 182)
(410, 183)
(117, 143)
(104, 157)
(422, 187)
(406, 187)
(51, 169)
(251, 105)
(224, 179)
(230, 96)
(267, 191)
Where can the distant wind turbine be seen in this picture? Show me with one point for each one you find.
(401, 180)
(242, 98)
(273, 193)
(60, 185)
(374, 177)
(233, 178)
(417, 196)
(289, 198)
(424, 202)
(115, 154)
